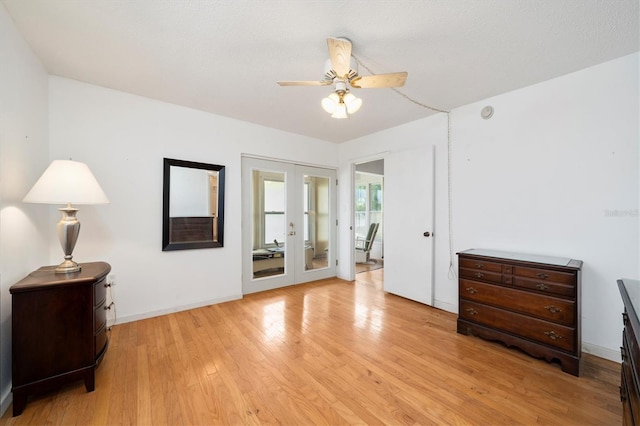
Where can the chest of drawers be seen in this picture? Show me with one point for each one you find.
(527, 301)
(59, 329)
(630, 351)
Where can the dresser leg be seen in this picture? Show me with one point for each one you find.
(19, 402)
(90, 381)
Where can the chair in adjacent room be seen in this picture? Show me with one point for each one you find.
(364, 245)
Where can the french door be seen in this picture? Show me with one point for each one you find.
(288, 224)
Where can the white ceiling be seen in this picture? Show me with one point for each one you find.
(226, 56)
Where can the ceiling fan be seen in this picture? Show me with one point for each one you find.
(341, 70)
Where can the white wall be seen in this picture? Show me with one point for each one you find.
(123, 138)
(23, 157)
(554, 171)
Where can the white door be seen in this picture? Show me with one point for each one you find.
(408, 224)
(288, 224)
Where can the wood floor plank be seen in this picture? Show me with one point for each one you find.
(328, 352)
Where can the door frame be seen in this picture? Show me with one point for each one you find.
(293, 272)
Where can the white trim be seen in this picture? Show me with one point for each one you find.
(449, 307)
(601, 352)
(280, 160)
(6, 401)
(152, 314)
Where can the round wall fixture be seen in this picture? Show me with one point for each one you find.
(487, 112)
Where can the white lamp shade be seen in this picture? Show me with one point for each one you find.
(67, 182)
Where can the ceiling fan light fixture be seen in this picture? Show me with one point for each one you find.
(330, 103)
(341, 111)
(352, 102)
(340, 104)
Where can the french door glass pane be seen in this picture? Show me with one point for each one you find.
(316, 227)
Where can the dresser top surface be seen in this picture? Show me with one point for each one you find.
(632, 288)
(524, 257)
(47, 277)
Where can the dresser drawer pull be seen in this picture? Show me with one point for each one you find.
(479, 265)
(623, 353)
(542, 276)
(553, 335)
(625, 318)
(552, 309)
(472, 290)
(479, 274)
(471, 311)
(542, 286)
(623, 395)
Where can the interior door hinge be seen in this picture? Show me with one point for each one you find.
(336, 262)
(336, 222)
(336, 182)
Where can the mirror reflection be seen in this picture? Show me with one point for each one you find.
(271, 226)
(193, 205)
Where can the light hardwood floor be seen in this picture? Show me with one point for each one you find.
(329, 352)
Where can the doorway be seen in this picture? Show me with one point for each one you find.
(289, 224)
(368, 216)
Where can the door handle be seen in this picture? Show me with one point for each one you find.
(427, 234)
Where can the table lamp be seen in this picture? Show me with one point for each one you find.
(67, 182)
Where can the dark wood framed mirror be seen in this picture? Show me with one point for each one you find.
(193, 205)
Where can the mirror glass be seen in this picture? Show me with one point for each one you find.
(193, 205)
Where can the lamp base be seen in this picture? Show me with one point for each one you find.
(68, 231)
(67, 267)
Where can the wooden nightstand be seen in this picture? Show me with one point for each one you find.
(59, 329)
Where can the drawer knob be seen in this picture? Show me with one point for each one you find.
(479, 274)
(542, 286)
(542, 275)
(471, 311)
(479, 265)
(472, 290)
(623, 353)
(552, 309)
(553, 335)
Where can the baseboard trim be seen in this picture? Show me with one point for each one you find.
(174, 309)
(601, 352)
(4, 404)
(445, 306)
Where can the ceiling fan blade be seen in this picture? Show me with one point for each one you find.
(395, 79)
(305, 83)
(340, 55)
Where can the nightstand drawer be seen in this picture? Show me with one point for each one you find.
(100, 292)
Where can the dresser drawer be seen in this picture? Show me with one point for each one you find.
(631, 344)
(100, 292)
(551, 334)
(545, 275)
(495, 277)
(541, 306)
(630, 378)
(101, 341)
(546, 287)
(480, 265)
(100, 318)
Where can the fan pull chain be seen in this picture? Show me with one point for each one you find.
(451, 272)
